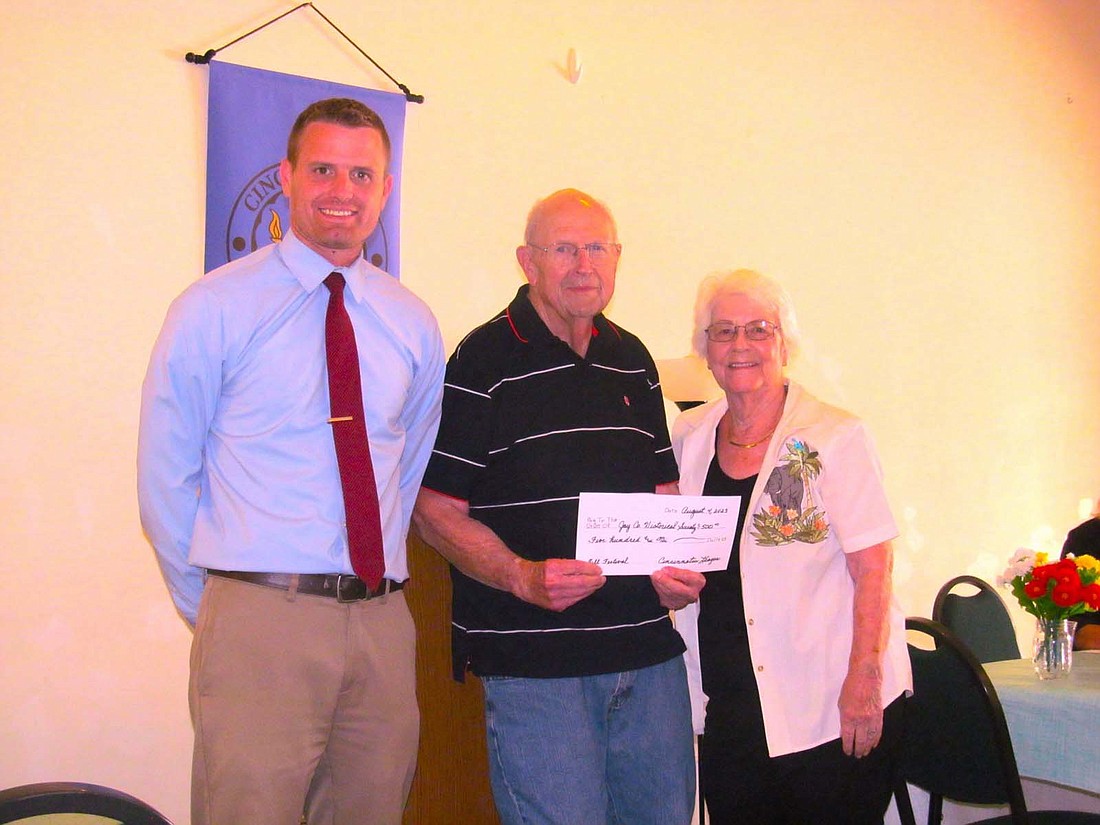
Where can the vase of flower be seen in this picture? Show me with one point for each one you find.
(1053, 592)
(1053, 650)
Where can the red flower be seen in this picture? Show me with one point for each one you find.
(1044, 572)
(1066, 594)
(1091, 594)
(1035, 588)
(1066, 572)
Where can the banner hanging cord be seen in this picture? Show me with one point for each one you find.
(192, 57)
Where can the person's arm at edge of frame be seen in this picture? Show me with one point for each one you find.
(179, 395)
(860, 700)
(444, 523)
(675, 586)
(1087, 637)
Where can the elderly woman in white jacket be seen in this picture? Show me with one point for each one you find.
(796, 653)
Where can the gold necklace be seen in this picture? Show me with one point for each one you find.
(751, 444)
(757, 443)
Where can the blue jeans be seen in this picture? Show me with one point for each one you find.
(614, 748)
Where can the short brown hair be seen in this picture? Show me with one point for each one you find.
(342, 111)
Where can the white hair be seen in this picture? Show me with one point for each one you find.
(762, 288)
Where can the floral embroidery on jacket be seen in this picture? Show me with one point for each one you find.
(786, 520)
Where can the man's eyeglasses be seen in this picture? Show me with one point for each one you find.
(565, 253)
(760, 330)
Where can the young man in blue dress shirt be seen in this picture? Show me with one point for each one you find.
(302, 675)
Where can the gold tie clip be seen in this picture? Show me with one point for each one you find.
(338, 419)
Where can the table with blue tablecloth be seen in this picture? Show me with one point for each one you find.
(1054, 723)
(1055, 729)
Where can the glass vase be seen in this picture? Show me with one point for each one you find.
(1053, 651)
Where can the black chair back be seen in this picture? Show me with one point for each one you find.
(980, 620)
(44, 798)
(956, 743)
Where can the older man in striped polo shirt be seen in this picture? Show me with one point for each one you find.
(586, 700)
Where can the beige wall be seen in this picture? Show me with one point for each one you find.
(924, 176)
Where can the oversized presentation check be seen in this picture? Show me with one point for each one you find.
(630, 534)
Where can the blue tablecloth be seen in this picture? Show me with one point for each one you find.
(1055, 724)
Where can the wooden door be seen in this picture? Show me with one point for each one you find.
(452, 774)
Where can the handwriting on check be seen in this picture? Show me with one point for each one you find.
(637, 533)
(664, 561)
(685, 522)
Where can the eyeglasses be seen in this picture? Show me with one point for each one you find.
(759, 330)
(566, 253)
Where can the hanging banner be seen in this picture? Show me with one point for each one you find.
(250, 115)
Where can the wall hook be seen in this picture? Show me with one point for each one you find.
(572, 67)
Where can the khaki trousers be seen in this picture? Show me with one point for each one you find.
(294, 695)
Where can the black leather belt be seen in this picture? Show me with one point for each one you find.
(342, 587)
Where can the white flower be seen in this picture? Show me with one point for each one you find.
(1021, 563)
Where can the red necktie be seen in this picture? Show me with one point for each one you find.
(349, 433)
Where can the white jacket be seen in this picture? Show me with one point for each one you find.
(798, 593)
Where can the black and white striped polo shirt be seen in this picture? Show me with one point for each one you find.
(528, 425)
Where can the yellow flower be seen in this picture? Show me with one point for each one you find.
(1087, 563)
(1040, 558)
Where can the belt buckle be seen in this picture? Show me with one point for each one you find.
(350, 581)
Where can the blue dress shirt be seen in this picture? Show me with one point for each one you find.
(236, 464)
